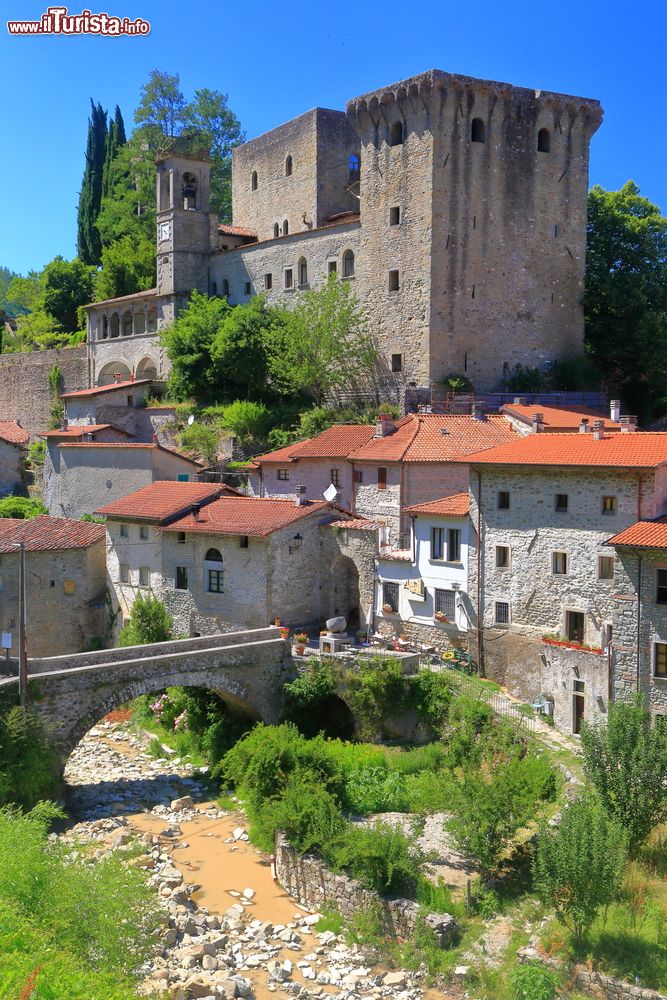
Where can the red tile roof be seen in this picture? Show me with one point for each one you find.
(96, 390)
(554, 417)
(425, 437)
(454, 506)
(639, 450)
(255, 516)
(161, 500)
(355, 524)
(13, 433)
(643, 535)
(48, 533)
(128, 445)
(81, 429)
(226, 230)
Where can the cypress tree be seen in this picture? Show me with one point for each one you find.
(88, 242)
(115, 139)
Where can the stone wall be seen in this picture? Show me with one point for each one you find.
(10, 466)
(594, 983)
(24, 391)
(307, 879)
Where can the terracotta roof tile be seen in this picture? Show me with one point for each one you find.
(226, 230)
(97, 390)
(431, 437)
(48, 533)
(355, 524)
(335, 442)
(454, 506)
(643, 535)
(81, 429)
(124, 298)
(639, 450)
(255, 516)
(13, 433)
(553, 417)
(161, 500)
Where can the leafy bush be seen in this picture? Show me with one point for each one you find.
(578, 867)
(380, 857)
(149, 622)
(202, 439)
(376, 789)
(533, 981)
(307, 814)
(468, 722)
(21, 507)
(28, 765)
(376, 688)
(247, 420)
(432, 698)
(429, 792)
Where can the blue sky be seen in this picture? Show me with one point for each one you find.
(276, 60)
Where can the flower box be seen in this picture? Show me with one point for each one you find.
(301, 638)
(568, 644)
(440, 616)
(388, 610)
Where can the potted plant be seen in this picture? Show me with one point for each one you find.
(284, 633)
(301, 640)
(387, 608)
(440, 616)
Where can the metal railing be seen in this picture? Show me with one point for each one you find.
(473, 688)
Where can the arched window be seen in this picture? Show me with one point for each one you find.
(214, 288)
(477, 130)
(288, 166)
(348, 264)
(354, 165)
(115, 325)
(127, 324)
(105, 328)
(253, 181)
(151, 320)
(225, 288)
(189, 192)
(285, 228)
(396, 134)
(303, 271)
(214, 572)
(140, 321)
(276, 230)
(543, 141)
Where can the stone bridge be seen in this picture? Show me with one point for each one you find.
(248, 670)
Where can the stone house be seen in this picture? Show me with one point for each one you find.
(13, 443)
(422, 590)
(222, 562)
(534, 418)
(65, 584)
(81, 475)
(381, 471)
(119, 403)
(439, 197)
(541, 577)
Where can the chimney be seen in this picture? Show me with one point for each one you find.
(385, 425)
(154, 439)
(615, 410)
(537, 420)
(196, 511)
(300, 491)
(478, 411)
(520, 401)
(628, 424)
(584, 426)
(598, 430)
(64, 423)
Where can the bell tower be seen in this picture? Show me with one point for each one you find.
(184, 224)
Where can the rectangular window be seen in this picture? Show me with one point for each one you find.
(559, 563)
(444, 603)
(382, 478)
(180, 537)
(247, 288)
(560, 503)
(390, 597)
(143, 532)
(605, 567)
(268, 282)
(332, 267)
(144, 576)
(124, 573)
(394, 215)
(574, 625)
(397, 362)
(437, 543)
(243, 542)
(503, 500)
(502, 556)
(502, 613)
(394, 281)
(215, 581)
(181, 580)
(183, 477)
(124, 531)
(661, 586)
(282, 474)
(454, 545)
(335, 477)
(289, 278)
(660, 659)
(609, 505)
(358, 476)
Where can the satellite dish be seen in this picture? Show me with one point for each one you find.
(191, 420)
(330, 493)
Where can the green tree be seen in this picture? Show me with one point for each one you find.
(115, 139)
(239, 349)
(68, 285)
(149, 622)
(28, 765)
(128, 266)
(626, 761)
(626, 295)
(129, 207)
(161, 109)
(189, 344)
(578, 867)
(21, 508)
(249, 421)
(88, 239)
(203, 439)
(322, 344)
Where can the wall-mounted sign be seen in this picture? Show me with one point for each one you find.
(5, 640)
